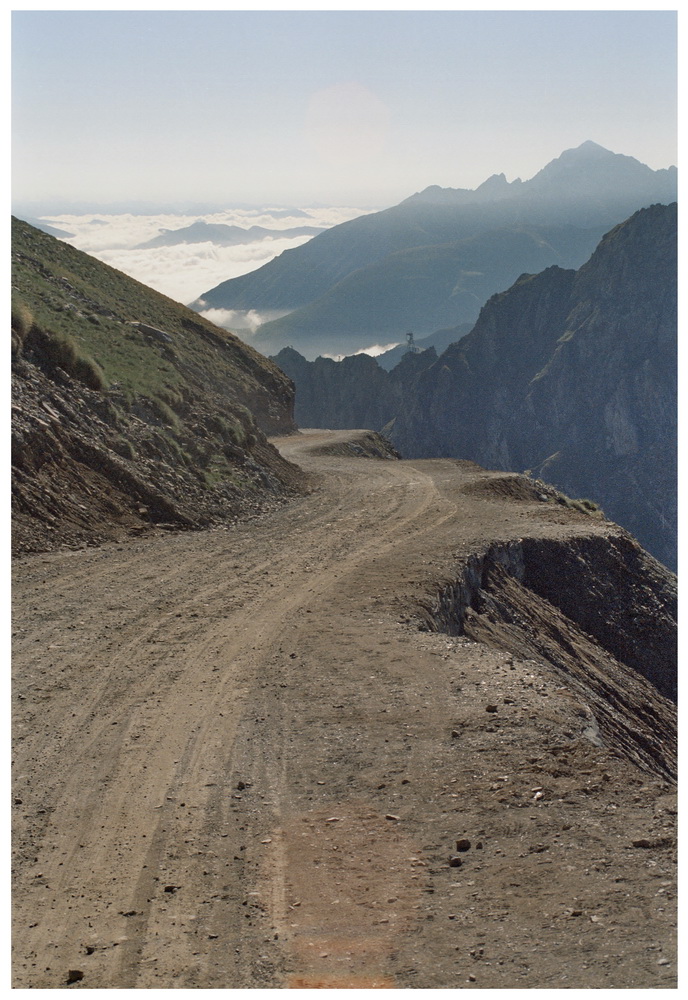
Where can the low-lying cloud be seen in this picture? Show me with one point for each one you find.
(185, 271)
(240, 320)
(374, 350)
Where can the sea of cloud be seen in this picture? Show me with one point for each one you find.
(185, 270)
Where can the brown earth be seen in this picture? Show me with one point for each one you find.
(241, 760)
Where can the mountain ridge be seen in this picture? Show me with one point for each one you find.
(223, 235)
(321, 285)
(569, 374)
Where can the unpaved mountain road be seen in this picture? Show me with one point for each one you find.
(237, 763)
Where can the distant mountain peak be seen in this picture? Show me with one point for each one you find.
(494, 183)
(592, 146)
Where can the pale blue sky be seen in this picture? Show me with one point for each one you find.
(345, 107)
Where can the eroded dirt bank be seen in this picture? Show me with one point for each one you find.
(239, 763)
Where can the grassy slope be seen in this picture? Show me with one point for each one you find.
(69, 292)
(173, 421)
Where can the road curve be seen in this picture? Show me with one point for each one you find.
(236, 760)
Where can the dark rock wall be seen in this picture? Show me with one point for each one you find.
(568, 374)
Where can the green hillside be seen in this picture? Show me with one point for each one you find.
(167, 411)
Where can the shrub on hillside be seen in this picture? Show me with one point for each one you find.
(62, 351)
(22, 321)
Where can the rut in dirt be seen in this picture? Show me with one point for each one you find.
(243, 758)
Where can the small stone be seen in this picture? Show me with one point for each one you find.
(490, 708)
(455, 862)
(74, 976)
(642, 842)
(455, 734)
(463, 844)
(471, 978)
(662, 961)
(172, 888)
(213, 937)
(391, 816)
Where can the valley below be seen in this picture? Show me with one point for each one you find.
(412, 729)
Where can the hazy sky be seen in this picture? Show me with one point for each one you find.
(343, 107)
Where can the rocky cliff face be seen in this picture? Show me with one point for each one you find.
(572, 375)
(353, 392)
(568, 374)
(128, 410)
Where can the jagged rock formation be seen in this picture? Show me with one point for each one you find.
(571, 375)
(353, 392)
(129, 410)
(433, 260)
(440, 341)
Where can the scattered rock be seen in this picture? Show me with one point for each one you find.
(455, 861)
(391, 816)
(642, 842)
(463, 844)
(74, 975)
(490, 708)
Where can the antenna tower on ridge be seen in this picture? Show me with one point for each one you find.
(411, 346)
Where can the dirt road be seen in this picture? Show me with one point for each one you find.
(238, 763)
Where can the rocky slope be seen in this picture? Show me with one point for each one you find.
(433, 260)
(128, 410)
(571, 375)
